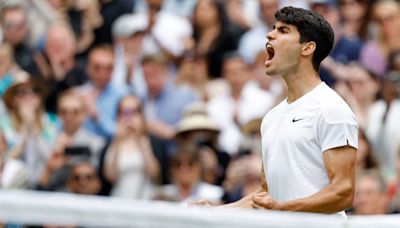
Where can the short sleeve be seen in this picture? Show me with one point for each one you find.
(336, 128)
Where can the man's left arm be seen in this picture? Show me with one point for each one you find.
(336, 196)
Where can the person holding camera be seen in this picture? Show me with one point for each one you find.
(73, 141)
(130, 164)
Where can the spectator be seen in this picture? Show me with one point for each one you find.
(193, 74)
(59, 67)
(365, 157)
(386, 16)
(83, 16)
(360, 90)
(72, 137)
(128, 34)
(9, 72)
(164, 102)
(371, 195)
(130, 164)
(83, 178)
(213, 34)
(244, 102)
(186, 179)
(253, 41)
(383, 129)
(29, 131)
(15, 29)
(165, 31)
(197, 129)
(100, 95)
(345, 49)
(355, 15)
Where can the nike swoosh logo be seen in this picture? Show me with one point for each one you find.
(295, 120)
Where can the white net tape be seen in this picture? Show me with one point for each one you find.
(38, 208)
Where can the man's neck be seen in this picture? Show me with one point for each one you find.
(300, 83)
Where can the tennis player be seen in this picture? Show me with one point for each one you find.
(309, 140)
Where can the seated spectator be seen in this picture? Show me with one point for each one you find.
(253, 41)
(386, 18)
(13, 21)
(71, 140)
(29, 131)
(383, 129)
(371, 196)
(164, 102)
(166, 32)
(193, 75)
(130, 164)
(58, 65)
(197, 129)
(345, 49)
(213, 34)
(360, 90)
(83, 16)
(100, 95)
(83, 178)
(9, 71)
(243, 174)
(186, 180)
(244, 102)
(365, 157)
(128, 34)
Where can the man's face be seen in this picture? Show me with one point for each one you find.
(100, 67)
(283, 49)
(155, 77)
(14, 26)
(71, 112)
(369, 200)
(84, 180)
(235, 72)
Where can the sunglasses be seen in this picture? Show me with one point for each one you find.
(80, 177)
(129, 112)
(73, 111)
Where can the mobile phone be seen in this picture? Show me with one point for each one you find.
(77, 151)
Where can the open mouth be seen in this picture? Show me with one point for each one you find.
(270, 51)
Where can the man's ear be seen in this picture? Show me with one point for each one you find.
(308, 48)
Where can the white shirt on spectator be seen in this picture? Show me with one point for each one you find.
(385, 136)
(253, 103)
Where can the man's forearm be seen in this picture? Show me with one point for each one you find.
(245, 202)
(331, 199)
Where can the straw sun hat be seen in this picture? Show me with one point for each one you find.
(195, 118)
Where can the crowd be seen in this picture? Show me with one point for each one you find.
(163, 99)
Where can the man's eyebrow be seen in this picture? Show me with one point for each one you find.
(281, 27)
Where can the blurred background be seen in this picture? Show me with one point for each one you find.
(163, 99)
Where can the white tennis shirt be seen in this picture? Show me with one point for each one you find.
(294, 137)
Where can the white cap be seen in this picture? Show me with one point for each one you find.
(129, 24)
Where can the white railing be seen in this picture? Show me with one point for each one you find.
(38, 208)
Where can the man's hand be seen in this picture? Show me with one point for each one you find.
(263, 200)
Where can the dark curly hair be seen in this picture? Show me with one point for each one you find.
(312, 27)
